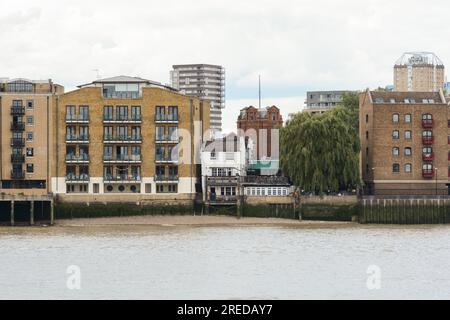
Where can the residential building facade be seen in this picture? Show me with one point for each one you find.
(318, 102)
(419, 72)
(405, 143)
(205, 81)
(26, 147)
(127, 138)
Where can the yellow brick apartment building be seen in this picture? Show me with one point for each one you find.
(127, 138)
(26, 133)
(405, 143)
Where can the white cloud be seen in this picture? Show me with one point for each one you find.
(321, 44)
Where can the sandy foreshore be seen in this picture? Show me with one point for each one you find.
(190, 221)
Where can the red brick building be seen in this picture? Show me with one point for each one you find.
(258, 125)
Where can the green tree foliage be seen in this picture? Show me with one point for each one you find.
(321, 152)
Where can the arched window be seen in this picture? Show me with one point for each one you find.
(408, 135)
(395, 134)
(395, 151)
(408, 118)
(408, 168)
(408, 151)
(427, 116)
(367, 118)
(395, 167)
(395, 117)
(427, 133)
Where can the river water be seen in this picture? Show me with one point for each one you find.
(226, 262)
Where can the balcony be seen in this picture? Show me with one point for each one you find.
(428, 156)
(219, 199)
(17, 126)
(122, 139)
(17, 174)
(167, 139)
(81, 118)
(427, 123)
(428, 140)
(73, 178)
(17, 142)
(166, 179)
(17, 158)
(225, 180)
(122, 158)
(121, 179)
(267, 180)
(17, 111)
(427, 173)
(166, 118)
(84, 138)
(162, 159)
(82, 158)
(121, 119)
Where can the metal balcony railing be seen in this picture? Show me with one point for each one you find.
(17, 111)
(75, 138)
(123, 138)
(17, 158)
(17, 126)
(121, 178)
(16, 174)
(427, 173)
(17, 142)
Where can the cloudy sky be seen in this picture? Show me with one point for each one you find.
(294, 45)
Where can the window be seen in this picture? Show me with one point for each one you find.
(30, 168)
(136, 113)
(395, 151)
(84, 113)
(367, 135)
(408, 168)
(121, 112)
(367, 152)
(395, 168)
(408, 135)
(30, 120)
(213, 155)
(173, 113)
(395, 117)
(29, 136)
(395, 134)
(408, 151)
(20, 86)
(70, 113)
(108, 113)
(30, 152)
(30, 104)
(367, 118)
(427, 116)
(427, 133)
(407, 118)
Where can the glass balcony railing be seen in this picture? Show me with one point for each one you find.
(123, 138)
(77, 158)
(81, 118)
(122, 158)
(122, 178)
(122, 118)
(77, 178)
(164, 178)
(79, 138)
(161, 117)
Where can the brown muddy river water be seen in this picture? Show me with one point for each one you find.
(225, 262)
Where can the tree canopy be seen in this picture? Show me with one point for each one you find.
(321, 152)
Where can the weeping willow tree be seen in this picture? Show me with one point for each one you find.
(321, 152)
